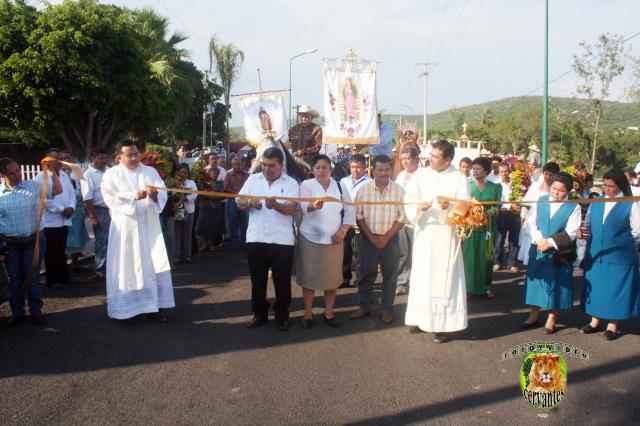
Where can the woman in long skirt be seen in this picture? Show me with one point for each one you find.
(477, 250)
(320, 240)
(553, 227)
(611, 279)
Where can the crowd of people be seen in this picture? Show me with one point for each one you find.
(142, 232)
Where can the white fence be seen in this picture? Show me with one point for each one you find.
(30, 171)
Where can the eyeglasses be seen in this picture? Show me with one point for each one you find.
(131, 156)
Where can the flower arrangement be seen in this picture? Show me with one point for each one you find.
(159, 157)
(520, 180)
(200, 176)
(579, 174)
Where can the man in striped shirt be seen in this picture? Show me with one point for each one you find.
(19, 206)
(379, 226)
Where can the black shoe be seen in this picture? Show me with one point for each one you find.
(158, 316)
(37, 320)
(331, 322)
(441, 338)
(415, 330)
(529, 325)
(307, 323)
(345, 284)
(551, 330)
(256, 322)
(610, 335)
(15, 321)
(282, 325)
(588, 329)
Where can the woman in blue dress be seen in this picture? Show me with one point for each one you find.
(611, 279)
(553, 228)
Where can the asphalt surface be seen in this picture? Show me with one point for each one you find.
(205, 367)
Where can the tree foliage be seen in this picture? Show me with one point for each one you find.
(597, 66)
(85, 74)
(227, 60)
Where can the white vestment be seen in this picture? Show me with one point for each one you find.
(138, 271)
(437, 296)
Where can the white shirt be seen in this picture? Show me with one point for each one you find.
(190, 199)
(53, 209)
(506, 192)
(401, 179)
(495, 178)
(267, 225)
(354, 187)
(634, 217)
(573, 224)
(320, 225)
(91, 186)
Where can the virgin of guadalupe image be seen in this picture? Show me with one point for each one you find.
(265, 123)
(350, 107)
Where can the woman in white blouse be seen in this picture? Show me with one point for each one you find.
(322, 231)
(611, 280)
(184, 217)
(553, 227)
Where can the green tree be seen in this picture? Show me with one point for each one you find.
(81, 77)
(227, 60)
(597, 66)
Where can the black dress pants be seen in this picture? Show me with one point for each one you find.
(279, 258)
(55, 256)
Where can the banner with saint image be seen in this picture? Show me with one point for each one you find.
(350, 108)
(264, 115)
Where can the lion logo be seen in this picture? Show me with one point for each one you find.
(545, 374)
(543, 379)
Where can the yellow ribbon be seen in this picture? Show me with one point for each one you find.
(35, 260)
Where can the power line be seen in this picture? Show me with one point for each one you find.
(514, 29)
(468, 24)
(569, 71)
(430, 42)
(187, 26)
(453, 27)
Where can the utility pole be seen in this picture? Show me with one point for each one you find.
(425, 74)
(545, 104)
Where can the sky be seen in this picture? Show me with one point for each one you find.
(484, 49)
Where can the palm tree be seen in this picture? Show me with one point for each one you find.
(228, 63)
(163, 53)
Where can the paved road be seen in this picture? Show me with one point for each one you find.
(204, 366)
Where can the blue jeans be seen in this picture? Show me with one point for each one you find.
(238, 222)
(101, 235)
(388, 259)
(20, 255)
(167, 224)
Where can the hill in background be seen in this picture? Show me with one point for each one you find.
(617, 115)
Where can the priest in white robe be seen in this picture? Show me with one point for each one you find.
(138, 271)
(437, 297)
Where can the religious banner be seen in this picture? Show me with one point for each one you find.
(350, 109)
(264, 115)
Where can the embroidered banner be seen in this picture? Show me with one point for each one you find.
(350, 109)
(264, 115)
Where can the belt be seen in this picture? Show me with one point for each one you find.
(101, 208)
(19, 240)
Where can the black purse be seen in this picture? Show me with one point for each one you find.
(566, 253)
